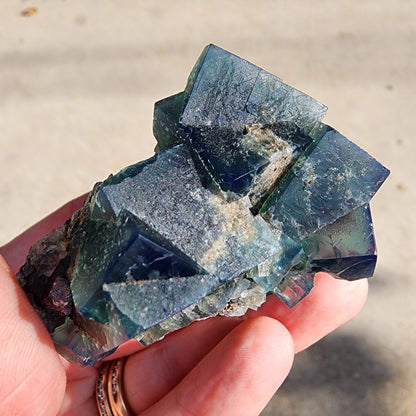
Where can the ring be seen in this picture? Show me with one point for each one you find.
(109, 389)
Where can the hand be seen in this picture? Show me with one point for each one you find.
(218, 366)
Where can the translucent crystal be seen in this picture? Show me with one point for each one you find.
(249, 194)
(334, 177)
(345, 248)
(225, 90)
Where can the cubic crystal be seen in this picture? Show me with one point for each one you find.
(249, 194)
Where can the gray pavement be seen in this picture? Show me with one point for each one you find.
(77, 85)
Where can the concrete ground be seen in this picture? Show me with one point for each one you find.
(77, 85)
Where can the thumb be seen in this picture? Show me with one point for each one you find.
(32, 378)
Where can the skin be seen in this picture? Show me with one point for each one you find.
(212, 367)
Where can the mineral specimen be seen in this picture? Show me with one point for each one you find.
(249, 194)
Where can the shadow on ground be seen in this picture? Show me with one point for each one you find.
(338, 376)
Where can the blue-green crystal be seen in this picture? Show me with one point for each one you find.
(249, 194)
(166, 121)
(223, 238)
(345, 248)
(149, 302)
(272, 272)
(334, 178)
(295, 286)
(248, 162)
(225, 90)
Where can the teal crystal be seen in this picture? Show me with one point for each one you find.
(249, 194)
(346, 248)
(334, 177)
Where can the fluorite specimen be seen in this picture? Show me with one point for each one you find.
(249, 194)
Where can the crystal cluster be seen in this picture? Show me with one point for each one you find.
(249, 194)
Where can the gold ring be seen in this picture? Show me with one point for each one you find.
(109, 389)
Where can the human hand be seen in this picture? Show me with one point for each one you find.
(214, 367)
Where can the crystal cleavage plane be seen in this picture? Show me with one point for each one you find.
(248, 194)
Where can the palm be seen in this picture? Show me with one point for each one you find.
(216, 366)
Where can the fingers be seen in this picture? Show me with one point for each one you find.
(238, 376)
(16, 251)
(153, 372)
(32, 378)
(80, 390)
(331, 303)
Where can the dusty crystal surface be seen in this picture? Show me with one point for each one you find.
(249, 194)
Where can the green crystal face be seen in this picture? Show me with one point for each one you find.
(249, 194)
